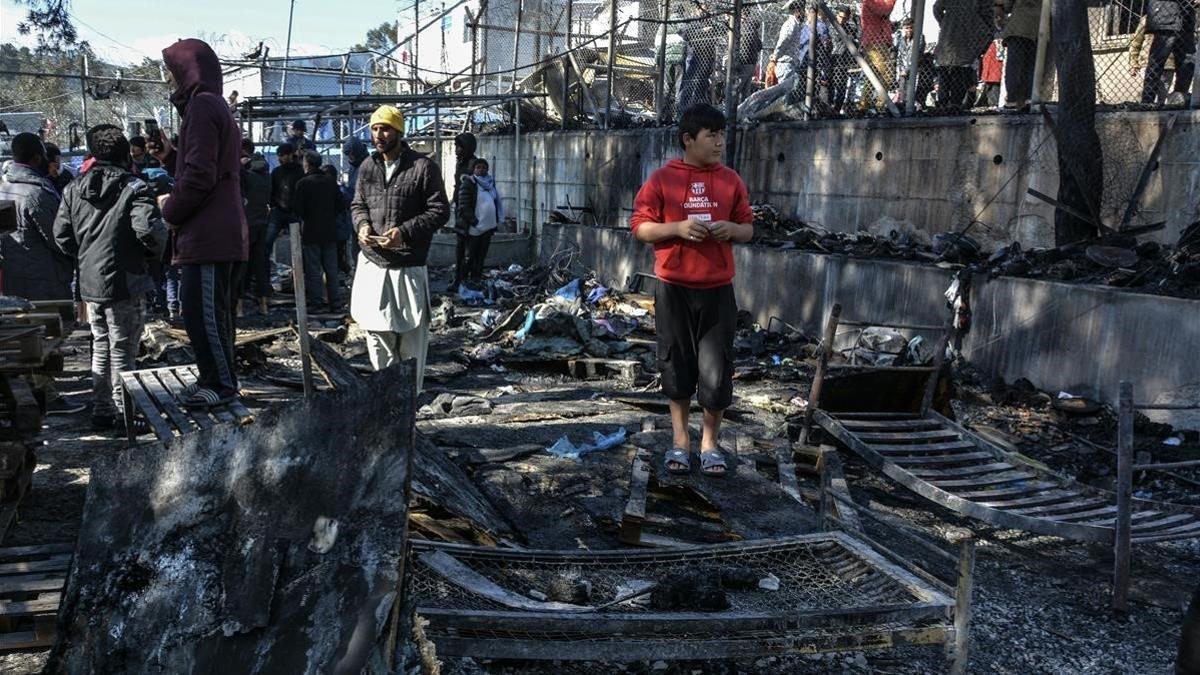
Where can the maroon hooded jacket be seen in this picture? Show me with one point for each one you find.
(205, 208)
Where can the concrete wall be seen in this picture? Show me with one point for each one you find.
(936, 173)
(1059, 336)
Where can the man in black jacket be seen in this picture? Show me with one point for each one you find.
(464, 155)
(110, 223)
(317, 203)
(399, 203)
(1173, 25)
(283, 186)
(256, 202)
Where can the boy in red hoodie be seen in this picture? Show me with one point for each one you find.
(692, 210)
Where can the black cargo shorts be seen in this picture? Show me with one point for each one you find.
(695, 343)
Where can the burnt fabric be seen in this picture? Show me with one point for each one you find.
(695, 329)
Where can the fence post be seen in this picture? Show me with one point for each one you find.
(661, 63)
(731, 67)
(1039, 64)
(437, 130)
(1195, 103)
(83, 93)
(1121, 532)
(516, 45)
(416, 44)
(914, 60)
(612, 57)
(517, 163)
(566, 64)
(811, 72)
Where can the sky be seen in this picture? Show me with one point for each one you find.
(124, 31)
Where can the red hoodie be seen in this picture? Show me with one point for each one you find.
(679, 191)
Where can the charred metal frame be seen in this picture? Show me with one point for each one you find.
(625, 635)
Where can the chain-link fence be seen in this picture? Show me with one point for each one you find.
(868, 57)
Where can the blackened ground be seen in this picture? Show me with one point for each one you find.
(1041, 604)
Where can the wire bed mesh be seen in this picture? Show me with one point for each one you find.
(823, 574)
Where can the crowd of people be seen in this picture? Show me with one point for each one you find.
(984, 56)
(184, 227)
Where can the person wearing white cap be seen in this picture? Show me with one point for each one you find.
(399, 202)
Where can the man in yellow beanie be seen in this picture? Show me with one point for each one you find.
(399, 202)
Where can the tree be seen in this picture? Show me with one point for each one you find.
(381, 38)
(50, 20)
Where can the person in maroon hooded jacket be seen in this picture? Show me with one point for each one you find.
(205, 213)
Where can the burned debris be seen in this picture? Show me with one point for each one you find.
(243, 544)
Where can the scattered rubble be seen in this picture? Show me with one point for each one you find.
(1117, 260)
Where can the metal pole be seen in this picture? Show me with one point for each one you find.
(517, 164)
(731, 67)
(83, 94)
(1121, 531)
(811, 84)
(1039, 63)
(612, 57)
(475, 54)
(416, 44)
(1195, 103)
(566, 64)
(301, 306)
(660, 64)
(437, 131)
(517, 44)
(914, 61)
(287, 51)
(962, 604)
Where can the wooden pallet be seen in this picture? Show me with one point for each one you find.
(953, 467)
(31, 584)
(155, 393)
(17, 462)
(22, 343)
(20, 413)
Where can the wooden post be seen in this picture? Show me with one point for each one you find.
(914, 61)
(612, 58)
(814, 393)
(1121, 532)
(1039, 63)
(962, 605)
(301, 307)
(826, 491)
(939, 357)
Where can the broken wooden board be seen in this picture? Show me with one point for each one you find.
(273, 547)
(751, 506)
(241, 339)
(635, 509)
(337, 371)
(440, 482)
